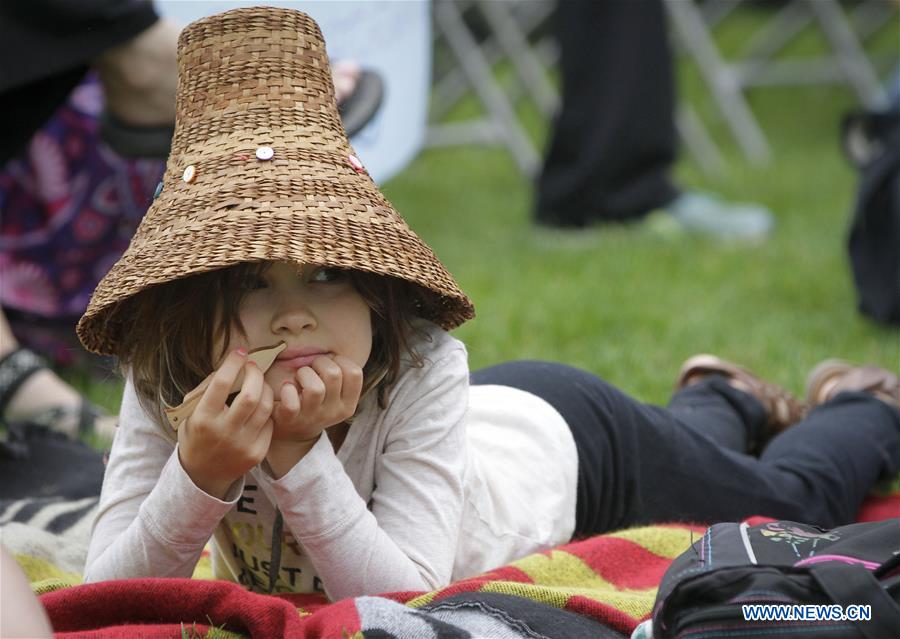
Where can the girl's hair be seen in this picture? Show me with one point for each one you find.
(176, 326)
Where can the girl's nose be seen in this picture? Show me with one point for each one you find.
(292, 316)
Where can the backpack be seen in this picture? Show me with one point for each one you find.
(797, 567)
(872, 143)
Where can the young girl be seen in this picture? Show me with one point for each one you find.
(366, 459)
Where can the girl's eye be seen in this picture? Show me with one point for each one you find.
(326, 274)
(254, 283)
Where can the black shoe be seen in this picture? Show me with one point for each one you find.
(358, 108)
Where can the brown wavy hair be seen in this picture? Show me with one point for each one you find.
(175, 328)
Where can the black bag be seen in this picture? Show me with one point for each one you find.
(703, 592)
(872, 143)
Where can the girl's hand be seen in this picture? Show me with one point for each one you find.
(329, 393)
(220, 443)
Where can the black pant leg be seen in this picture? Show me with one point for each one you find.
(632, 457)
(832, 458)
(714, 408)
(641, 464)
(614, 140)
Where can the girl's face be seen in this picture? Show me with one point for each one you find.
(315, 311)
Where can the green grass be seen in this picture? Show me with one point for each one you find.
(630, 306)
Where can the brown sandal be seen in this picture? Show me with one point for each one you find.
(782, 408)
(15, 369)
(834, 376)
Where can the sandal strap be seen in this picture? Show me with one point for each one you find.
(782, 408)
(831, 377)
(84, 416)
(15, 368)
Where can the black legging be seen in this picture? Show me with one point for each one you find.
(639, 463)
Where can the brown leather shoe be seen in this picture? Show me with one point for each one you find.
(782, 408)
(834, 376)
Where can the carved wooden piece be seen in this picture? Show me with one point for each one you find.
(264, 357)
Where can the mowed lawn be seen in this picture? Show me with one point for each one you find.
(630, 305)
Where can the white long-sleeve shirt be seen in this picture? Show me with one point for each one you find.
(446, 482)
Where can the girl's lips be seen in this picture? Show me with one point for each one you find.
(297, 360)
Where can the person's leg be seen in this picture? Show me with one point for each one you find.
(21, 611)
(715, 409)
(44, 392)
(640, 463)
(613, 142)
(830, 461)
(760, 408)
(634, 457)
(40, 391)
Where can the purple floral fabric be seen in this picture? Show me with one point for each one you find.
(68, 208)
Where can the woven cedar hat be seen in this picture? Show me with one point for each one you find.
(260, 169)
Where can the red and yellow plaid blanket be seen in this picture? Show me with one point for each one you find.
(611, 579)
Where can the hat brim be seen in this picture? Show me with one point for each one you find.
(254, 235)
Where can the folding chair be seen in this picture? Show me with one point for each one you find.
(507, 41)
(756, 64)
(511, 25)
